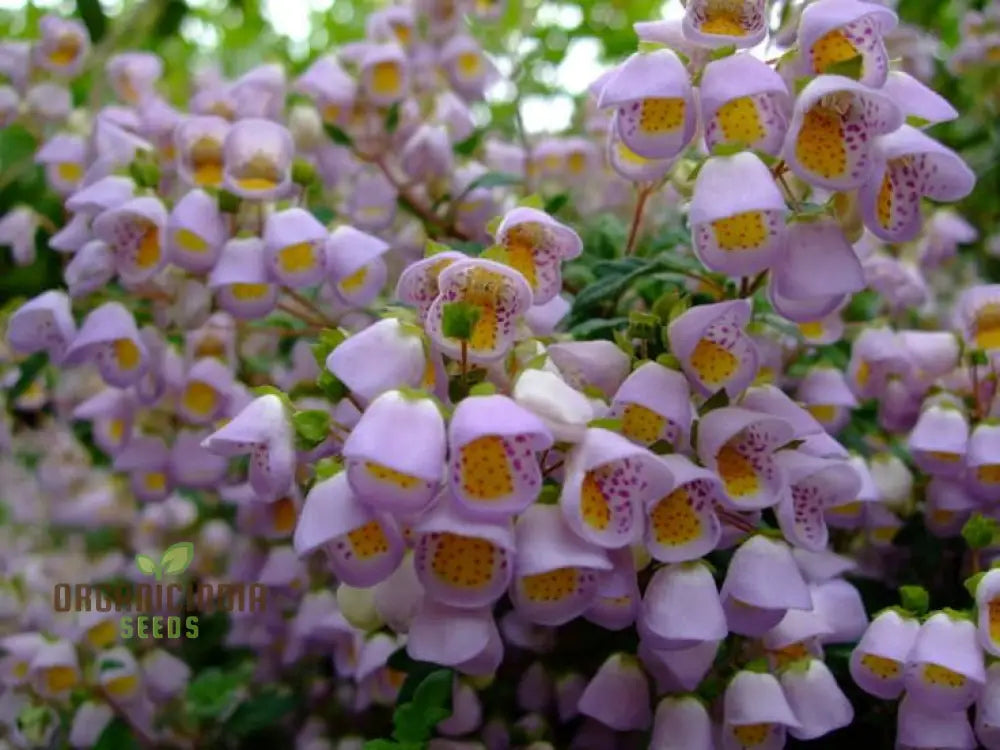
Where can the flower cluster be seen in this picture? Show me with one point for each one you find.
(310, 325)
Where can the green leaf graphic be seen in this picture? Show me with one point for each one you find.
(147, 565)
(177, 558)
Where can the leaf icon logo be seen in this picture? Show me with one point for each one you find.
(174, 561)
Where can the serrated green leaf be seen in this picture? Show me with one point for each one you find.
(147, 566)
(434, 694)
(177, 558)
(328, 340)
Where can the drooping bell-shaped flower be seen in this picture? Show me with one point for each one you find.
(134, 232)
(262, 429)
(910, 166)
(63, 156)
(814, 485)
(63, 46)
(384, 74)
(89, 722)
(240, 280)
(100, 195)
(195, 232)
(681, 608)
(464, 638)
(977, 316)
(755, 713)
(109, 337)
(761, 585)
(713, 348)
(111, 412)
(682, 524)
(418, 284)
(536, 244)
(939, 440)
(294, 247)
(395, 455)
(354, 264)
(616, 603)
(744, 101)
(831, 137)
(55, 671)
(982, 461)
(815, 271)
(557, 574)
(17, 230)
(206, 391)
(630, 166)
(462, 561)
(468, 69)
(655, 110)
(19, 650)
(945, 669)
(48, 102)
(198, 145)
(493, 469)
(737, 215)
(825, 394)
(919, 726)
(948, 506)
(681, 722)
(43, 323)
(618, 695)
(427, 154)
(720, 23)
(739, 445)
(119, 675)
(385, 355)
(563, 409)
(654, 403)
(362, 546)
(678, 670)
(91, 268)
(833, 32)
(600, 365)
(839, 604)
(191, 465)
(818, 703)
(133, 75)
(988, 710)
(498, 293)
(878, 662)
(876, 354)
(257, 159)
(918, 101)
(608, 479)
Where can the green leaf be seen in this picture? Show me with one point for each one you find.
(917, 122)
(607, 423)
(92, 15)
(851, 68)
(303, 173)
(555, 204)
(328, 340)
(493, 225)
(497, 253)
(229, 203)
(381, 744)
(414, 721)
(669, 361)
(972, 583)
(729, 149)
(177, 558)
(117, 735)
(493, 179)
(485, 388)
(107, 665)
(532, 201)
(17, 144)
(337, 135)
(147, 566)
(721, 52)
(646, 46)
(470, 144)
(434, 248)
(459, 319)
(979, 531)
(145, 173)
(717, 400)
(312, 426)
(212, 694)
(392, 118)
(27, 372)
(327, 467)
(915, 599)
(263, 711)
(331, 386)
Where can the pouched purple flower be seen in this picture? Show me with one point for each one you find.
(987, 714)
(10, 105)
(48, 102)
(384, 74)
(654, 403)
(494, 468)
(354, 264)
(557, 574)
(362, 546)
(681, 608)
(815, 271)
(371, 204)
(536, 244)
(818, 703)
(655, 109)
(878, 661)
(43, 323)
(500, 295)
(618, 695)
(147, 461)
(720, 23)
(761, 585)
(921, 726)
(293, 247)
(755, 713)
(944, 231)
(198, 144)
(257, 159)
(616, 604)
(939, 439)
(831, 137)
(910, 166)
(466, 639)
(918, 101)
(101, 195)
(814, 485)
(133, 75)
(91, 268)
(945, 670)
(797, 636)
(630, 166)
(608, 480)
(948, 506)
(55, 670)
(681, 723)
(192, 466)
(240, 280)
(977, 315)
(982, 462)
(195, 232)
(17, 230)
(837, 31)
(462, 561)
(395, 357)
(427, 154)
(111, 412)
(134, 232)
(825, 394)
(713, 348)
(63, 46)
(744, 101)
(468, 69)
(63, 157)
(330, 87)
(395, 455)
(206, 390)
(597, 364)
(419, 282)
(739, 445)
(263, 430)
(839, 604)
(682, 524)
(737, 215)
(110, 338)
(876, 354)
(259, 93)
